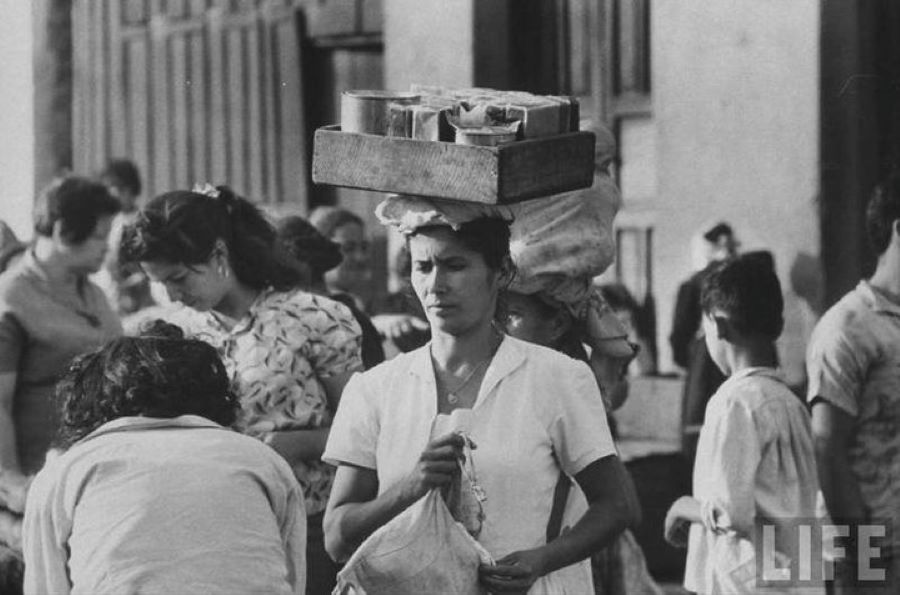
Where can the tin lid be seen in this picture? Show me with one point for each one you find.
(382, 94)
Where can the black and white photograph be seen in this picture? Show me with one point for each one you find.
(476, 297)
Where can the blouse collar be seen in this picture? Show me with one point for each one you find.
(245, 321)
(134, 423)
(38, 271)
(509, 356)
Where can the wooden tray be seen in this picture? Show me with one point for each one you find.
(494, 175)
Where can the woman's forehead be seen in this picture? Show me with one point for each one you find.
(348, 230)
(164, 270)
(437, 242)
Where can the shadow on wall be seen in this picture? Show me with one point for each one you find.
(808, 282)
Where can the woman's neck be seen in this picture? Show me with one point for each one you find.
(318, 286)
(452, 351)
(237, 301)
(46, 255)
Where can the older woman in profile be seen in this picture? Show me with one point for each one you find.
(169, 499)
(353, 275)
(398, 431)
(288, 351)
(49, 313)
(317, 255)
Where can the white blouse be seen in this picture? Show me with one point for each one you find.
(537, 411)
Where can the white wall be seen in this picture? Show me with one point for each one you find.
(16, 116)
(736, 113)
(419, 43)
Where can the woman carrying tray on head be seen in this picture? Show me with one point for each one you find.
(530, 411)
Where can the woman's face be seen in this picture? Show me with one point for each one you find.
(526, 319)
(88, 256)
(353, 273)
(457, 289)
(198, 286)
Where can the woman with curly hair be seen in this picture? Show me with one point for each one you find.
(289, 352)
(155, 493)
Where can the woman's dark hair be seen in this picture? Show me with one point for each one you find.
(619, 298)
(881, 213)
(570, 341)
(715, 233)
(747, 291)
(77, 204)
(125, 173)
(488, 236)
(157, 374)
(328, 219)
(305, 243)
(183, 227)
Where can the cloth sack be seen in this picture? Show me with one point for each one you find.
(561, 242)
(421, 550)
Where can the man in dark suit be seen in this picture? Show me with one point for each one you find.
(688, 348)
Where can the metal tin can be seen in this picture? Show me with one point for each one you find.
(368, 112)
(485, 136)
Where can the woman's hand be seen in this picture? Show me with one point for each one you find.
(437, 466)
(682, 513)
(398, 326)
(14, 490)
(356, 509)
(515, 573)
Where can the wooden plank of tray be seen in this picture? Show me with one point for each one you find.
(492, 175)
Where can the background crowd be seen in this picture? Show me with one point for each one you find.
(119, 469)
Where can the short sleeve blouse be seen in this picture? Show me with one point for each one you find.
(43, 326)
(277, 356)
(537, 411)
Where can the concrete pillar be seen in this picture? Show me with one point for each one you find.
(460, 43)
(16, 117)
(52, 65)
(850, 123)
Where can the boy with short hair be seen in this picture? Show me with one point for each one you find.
(755, 459)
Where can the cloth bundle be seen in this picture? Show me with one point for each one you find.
(558, 243)
(422, 550)
(430, 547)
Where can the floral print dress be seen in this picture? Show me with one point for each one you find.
(276, 356)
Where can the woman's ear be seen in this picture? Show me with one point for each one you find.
(724, 329)
(57, 233)
(220, 252)
(560, 323)
(507, 273)
(219, 259)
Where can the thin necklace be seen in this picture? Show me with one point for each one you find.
(453, 396)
